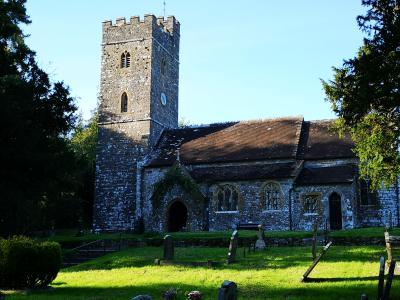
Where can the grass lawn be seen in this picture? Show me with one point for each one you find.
(344, 273)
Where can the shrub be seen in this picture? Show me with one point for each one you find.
(26, 263)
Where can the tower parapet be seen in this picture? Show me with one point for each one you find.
(136, 27)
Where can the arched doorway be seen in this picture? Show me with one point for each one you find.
(177, 216)
(335, 211)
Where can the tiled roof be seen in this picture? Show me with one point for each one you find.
(327, 175)
(248, 172)
(230, 142)
(319, 142)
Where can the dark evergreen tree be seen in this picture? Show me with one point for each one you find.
(84, 142)
(365, 93)
(36, 165)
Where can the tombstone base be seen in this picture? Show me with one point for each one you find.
(260, 245)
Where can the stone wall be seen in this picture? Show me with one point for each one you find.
(289, 216)
(384, 213)
(305, 221)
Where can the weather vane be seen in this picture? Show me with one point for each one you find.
(164, 8)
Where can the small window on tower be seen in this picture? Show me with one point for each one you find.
(163, 66)
(124, 103)
(125, 60)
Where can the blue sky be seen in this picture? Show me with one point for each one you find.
(239, 60)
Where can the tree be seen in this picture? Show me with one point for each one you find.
(37, 166)
(365, 94)
(83, 143)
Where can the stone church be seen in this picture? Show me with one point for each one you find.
(285, 173)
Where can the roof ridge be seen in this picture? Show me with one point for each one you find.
(195, 126)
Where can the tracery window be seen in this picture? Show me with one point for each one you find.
(227, 198)
(367, 195)
(125, 60)
(311, 203)
(271, 196)
(124, 102)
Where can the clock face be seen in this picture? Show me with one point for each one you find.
(163, 99)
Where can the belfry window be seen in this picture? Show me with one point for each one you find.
(125, 60)
(226, 198)
(124, 103)
(271, 196)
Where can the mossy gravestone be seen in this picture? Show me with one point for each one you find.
(168, 247)
(260, 243)
(232, 247)
(227, 291)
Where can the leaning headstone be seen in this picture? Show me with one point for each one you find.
(227, 291)
(232, 247)
(260, 243)
(168, 247)
(142, 297)
(316, 261)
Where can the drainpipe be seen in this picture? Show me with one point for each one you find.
(290, 209)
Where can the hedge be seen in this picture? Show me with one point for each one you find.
(25, 263)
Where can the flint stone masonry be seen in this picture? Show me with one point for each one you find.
(136, 149)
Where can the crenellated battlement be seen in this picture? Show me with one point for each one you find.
(170, 25)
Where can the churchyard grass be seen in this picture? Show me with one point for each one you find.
(344, 273)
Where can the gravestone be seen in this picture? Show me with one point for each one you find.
(260, 243)
(142, 297)
(168, 247)
(316, 261)
(232, 247)
(227, 291)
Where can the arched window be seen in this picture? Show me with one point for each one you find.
(271, 196)
(226, 198)
(124, 103)
(125, 60)
(163, 66)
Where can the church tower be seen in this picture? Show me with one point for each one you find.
(138, 99)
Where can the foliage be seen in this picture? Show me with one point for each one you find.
(365, 93)
(25, 263)
(176, 176)
(83, 142)
(345, 273)
(37, 167)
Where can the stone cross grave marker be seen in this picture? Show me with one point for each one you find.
(232, 247)
(168, 247)
(260, 243)
(227, 291)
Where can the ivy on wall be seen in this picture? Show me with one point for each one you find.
(176, 175)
